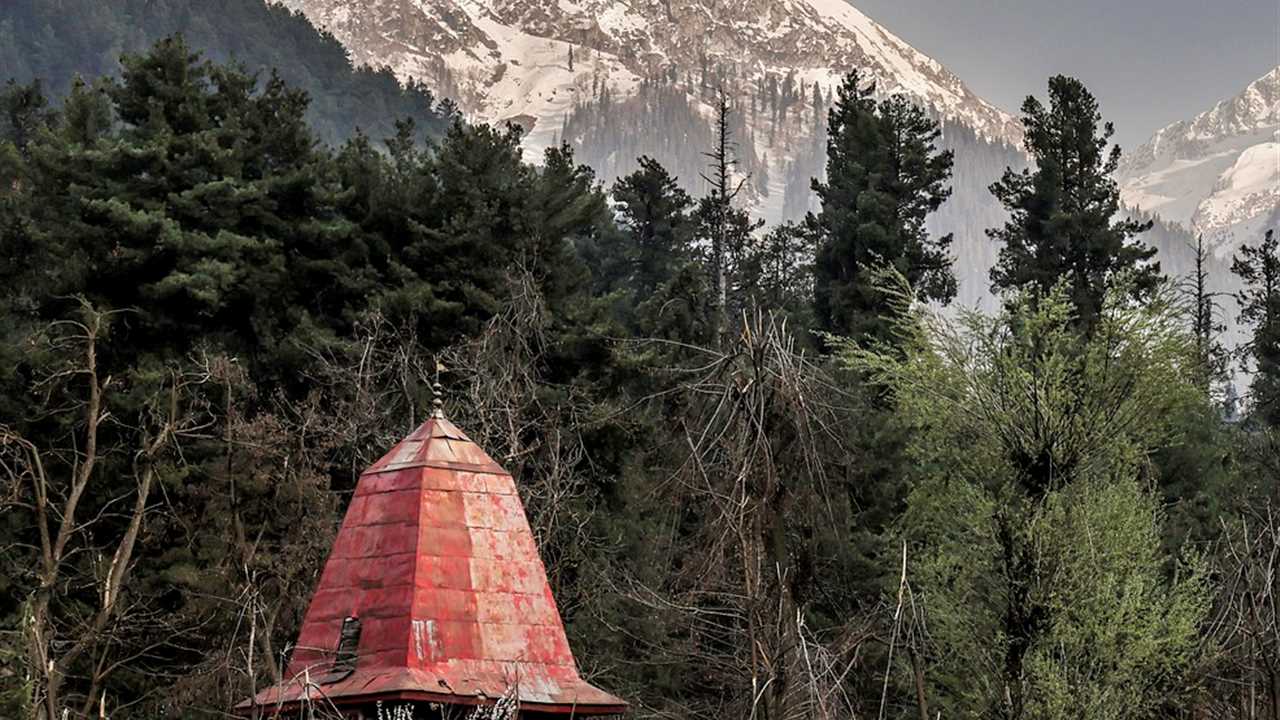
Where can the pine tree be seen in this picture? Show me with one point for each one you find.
(86, 112)
(1258, 266)
(884, 177)
(568, 208)
(24, 110)
(726, 229)
(1205, 323)
(1063, 224)
(61, 41)
(653, 210)
(777, 271)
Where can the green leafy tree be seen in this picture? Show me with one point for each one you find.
(1063, 213)
(884, 177)
(1030, 533)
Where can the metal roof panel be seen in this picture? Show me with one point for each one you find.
(436, 559)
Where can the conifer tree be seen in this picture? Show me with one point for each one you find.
(653, 210)
(86, 112)
(24, 110)
(778, 271)
(885, 176)
(567, 209)
(191, 204)
(1063, 224)
(60, 41)
(1258, 266)
(726, 229)
(1205, 323)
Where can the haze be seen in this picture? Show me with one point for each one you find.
(1150, 63)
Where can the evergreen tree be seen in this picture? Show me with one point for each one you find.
(654, 211)
(568, 210)
(1063, 223)
(87, 113)
(189, 207)
(1206, 324)
(884, 177)
(24, 111)
(200, 187)
(1258, 266)
(60, 41)
(745, 507)
(727, 230)
(777, 272)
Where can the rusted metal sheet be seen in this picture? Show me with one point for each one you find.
(436, 560)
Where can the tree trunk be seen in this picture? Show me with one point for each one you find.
(917, 668)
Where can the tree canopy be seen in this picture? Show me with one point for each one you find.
(1065, 213)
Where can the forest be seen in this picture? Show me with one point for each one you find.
(770, 473)
(60, 41)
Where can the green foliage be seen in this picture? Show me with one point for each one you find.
(653, 209)
(777, 271)
(713, 507)
(59, 41)
(1036, 542)
(1063, 212)
(884, 178)
(1258, 266)
(193, 204)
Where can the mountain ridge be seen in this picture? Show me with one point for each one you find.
(1218, 173)
(616, 80)
(509, 58)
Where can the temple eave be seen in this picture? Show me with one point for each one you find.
(576, 697)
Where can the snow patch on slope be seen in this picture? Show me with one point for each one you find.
(1217, 174)
(509, 57)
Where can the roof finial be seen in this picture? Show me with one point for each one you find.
(437, 404)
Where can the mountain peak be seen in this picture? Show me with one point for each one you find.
(1217, 173)
(1254, 109)
(505, 58)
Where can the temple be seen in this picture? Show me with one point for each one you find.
(433, 594)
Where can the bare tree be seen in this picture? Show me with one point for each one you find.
(1247, 625)
(1206, 322)
(761, 434)
(376, 389)
(87, 490)
(531, 426)
(726, 228)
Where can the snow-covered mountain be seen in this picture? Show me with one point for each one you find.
(620, 78)
(1218, 173)
(532, 59)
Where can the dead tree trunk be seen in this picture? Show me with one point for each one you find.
(60, 488)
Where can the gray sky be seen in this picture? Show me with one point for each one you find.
(1149, 62)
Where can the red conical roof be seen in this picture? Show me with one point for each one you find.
(436, 562)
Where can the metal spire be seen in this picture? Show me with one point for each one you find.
(437, 404)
